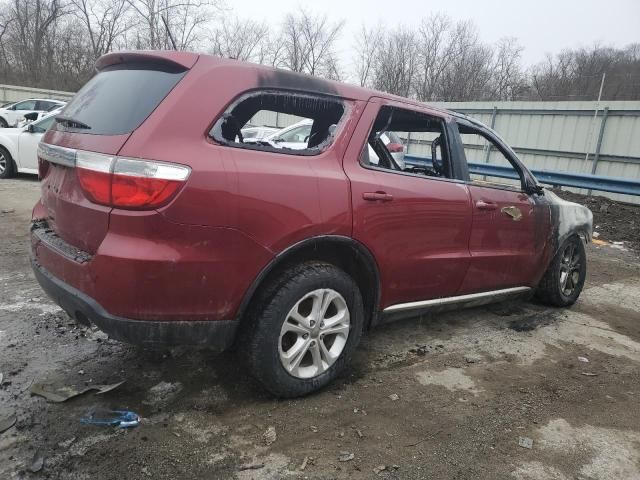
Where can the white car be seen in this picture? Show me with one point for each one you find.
(12, 113)
(295, 137)
(19, 146)
(253, 134)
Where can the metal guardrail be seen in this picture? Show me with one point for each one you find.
(564, 179)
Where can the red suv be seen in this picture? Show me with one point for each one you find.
(158, 224)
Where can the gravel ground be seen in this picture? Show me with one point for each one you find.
(449, 396)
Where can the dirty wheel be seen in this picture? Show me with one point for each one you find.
(564, 279)
(7, 167)
(304, 330)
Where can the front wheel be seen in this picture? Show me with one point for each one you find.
(3, 123)
(7, 167)
(304, 329)
(564, 279)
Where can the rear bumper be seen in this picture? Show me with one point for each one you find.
(215, 334)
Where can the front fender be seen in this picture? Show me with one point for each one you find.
(567, 219)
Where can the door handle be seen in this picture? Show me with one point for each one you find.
(377, 196)
(483, 205)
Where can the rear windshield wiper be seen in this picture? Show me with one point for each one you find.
(72, 122)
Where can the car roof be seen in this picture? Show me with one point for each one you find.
(40, 100)
(266, 77)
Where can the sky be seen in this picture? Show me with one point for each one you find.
(542, 26)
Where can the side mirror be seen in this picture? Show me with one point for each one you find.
(277, 140)
(30, 128)
(534, 190)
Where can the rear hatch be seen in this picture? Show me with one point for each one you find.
(99, 119)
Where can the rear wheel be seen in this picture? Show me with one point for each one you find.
(3, 123)
(564, 279)
(7, 166)
(304, 329)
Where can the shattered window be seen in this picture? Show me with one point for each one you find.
(479, 150)
(407, 141)
(291, 122)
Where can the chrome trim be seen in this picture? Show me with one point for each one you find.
(54, 154)
(453, 300)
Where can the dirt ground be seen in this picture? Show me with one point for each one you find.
(449, 396)
(612, 221)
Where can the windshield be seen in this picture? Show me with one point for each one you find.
(117, 100)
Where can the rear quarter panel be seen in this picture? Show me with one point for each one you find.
(277, 199)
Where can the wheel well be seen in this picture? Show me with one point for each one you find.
(343, 252)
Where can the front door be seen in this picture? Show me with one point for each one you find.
(28, 143)
(416, 221)
(507, 236)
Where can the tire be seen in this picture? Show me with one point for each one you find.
(279, 355)
(3, 123)
(563, 281)
(7, 165)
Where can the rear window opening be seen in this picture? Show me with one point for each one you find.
(294, 123)
(118, 99)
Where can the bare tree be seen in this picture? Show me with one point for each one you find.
(366, 49)
(396, 62)
(168, 24)
(308, 44)
(436, 47)
(31, 22)
(507, 79)
(246, 40)
(577, 74)
(468, 73)
(5, 22)
(105, 22)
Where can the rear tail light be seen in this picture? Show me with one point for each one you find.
(127, 182)
(395, 147)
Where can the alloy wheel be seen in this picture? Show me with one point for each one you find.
(570, 269)
(314, 333)
(3, 163)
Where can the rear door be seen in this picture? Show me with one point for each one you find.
(415, 221)
(507, 236)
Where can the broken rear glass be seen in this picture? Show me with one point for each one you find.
(302, 124)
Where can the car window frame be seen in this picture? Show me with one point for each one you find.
(528, 183)
(213, 131)
(446, 130)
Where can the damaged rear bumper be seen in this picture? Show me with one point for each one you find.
(215, 334)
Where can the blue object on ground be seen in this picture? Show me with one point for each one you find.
(115, 418)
